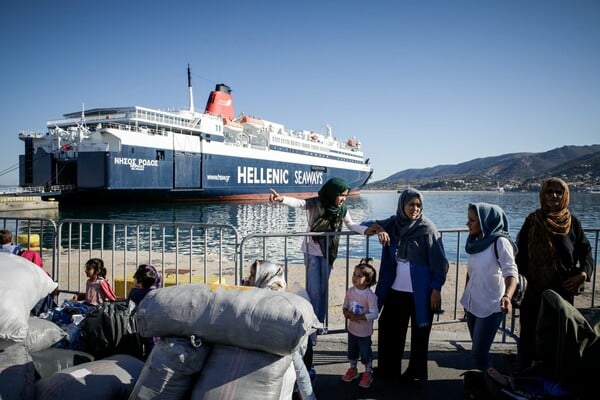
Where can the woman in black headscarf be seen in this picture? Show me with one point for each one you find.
(412, 272)
(554, 253)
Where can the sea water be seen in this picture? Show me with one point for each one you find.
(448, 210)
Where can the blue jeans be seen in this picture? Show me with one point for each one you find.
(483, 331)
(317, 283)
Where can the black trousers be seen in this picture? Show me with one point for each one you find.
(398, 310)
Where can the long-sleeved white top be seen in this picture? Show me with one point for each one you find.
(486, 284)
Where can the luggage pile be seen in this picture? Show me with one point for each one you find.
(210, 343)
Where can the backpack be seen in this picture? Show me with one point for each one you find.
(111, 328)
(517, 297)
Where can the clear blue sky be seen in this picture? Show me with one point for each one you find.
(420, 83)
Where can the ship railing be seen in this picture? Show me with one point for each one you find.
(26, 134)
(186, 252)
(64, 121)
(19, 190)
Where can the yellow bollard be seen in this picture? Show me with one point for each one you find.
(30, 241)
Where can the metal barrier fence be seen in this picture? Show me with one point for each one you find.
(183, 252)
(277, 247)
(192, 252)
(35, 234)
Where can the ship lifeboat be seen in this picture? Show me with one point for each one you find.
(232, 125)
(250, 120)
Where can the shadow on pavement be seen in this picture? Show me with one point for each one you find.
(447, 361)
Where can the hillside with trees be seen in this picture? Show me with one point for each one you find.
(578, 165)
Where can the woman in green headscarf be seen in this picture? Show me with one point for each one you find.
(554, 253)
(326, 213)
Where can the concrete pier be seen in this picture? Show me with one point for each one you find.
(25, 203)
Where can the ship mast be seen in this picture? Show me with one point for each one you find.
(191, 92)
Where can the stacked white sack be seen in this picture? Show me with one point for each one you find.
(255, 319)
(22, 285)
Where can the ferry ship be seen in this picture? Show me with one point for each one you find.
(144, 154)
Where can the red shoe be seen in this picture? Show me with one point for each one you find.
(366, 378)
(350, 375)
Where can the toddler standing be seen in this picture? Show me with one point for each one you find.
(360, 309)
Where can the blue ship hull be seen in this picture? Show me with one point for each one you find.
(143, 155)
(104, 176)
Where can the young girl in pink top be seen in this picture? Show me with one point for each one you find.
(97, 288)
(360, 309)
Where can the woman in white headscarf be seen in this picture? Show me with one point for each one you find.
(268, 275)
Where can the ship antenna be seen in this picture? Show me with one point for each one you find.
(82, 114)
(190, 89)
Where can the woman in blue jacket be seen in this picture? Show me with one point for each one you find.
(412, 272)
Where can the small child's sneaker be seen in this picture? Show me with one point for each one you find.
(366, 378)
(350, 375)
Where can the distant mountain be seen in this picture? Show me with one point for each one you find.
(575, 162)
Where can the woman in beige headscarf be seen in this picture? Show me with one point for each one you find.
(554, 253)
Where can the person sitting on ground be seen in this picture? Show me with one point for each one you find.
(146, 278)
(360, 309)
(268, 275)
(97, 288)
(6, 243)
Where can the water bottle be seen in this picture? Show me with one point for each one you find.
(356, 308)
